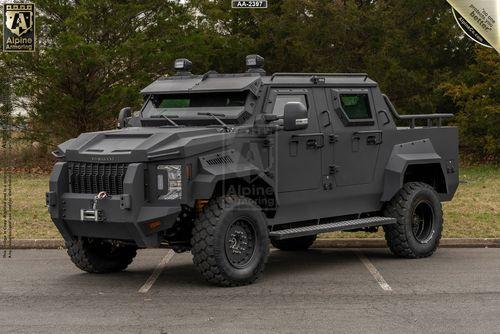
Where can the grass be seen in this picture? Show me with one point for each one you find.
(30, 218)
(474, 212)
(475, 209)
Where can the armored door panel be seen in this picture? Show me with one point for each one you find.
(358, 136)
(297, 153)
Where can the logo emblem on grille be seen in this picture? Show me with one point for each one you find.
(102, 159)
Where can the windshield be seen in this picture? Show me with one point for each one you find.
(184, 104)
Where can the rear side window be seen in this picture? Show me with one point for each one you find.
(281, 100)
(356, 106)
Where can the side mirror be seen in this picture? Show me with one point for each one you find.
(295, 116)
(122, 117)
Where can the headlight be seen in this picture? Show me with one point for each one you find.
(173, 174)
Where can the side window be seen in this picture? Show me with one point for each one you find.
(353, 107)
(356, 106)
(281, 100)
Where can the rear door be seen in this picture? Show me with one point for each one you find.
(358, 136)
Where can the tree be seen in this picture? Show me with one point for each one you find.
(476, 92)
(92, 59)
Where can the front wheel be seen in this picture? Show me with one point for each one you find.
(230, 242)
(419, 217)
(99, 255)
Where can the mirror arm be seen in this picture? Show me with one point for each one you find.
(271, 117)
(124, 114)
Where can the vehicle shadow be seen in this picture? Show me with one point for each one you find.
(181, 272)
(281, 265)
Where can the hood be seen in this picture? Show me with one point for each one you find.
(141, 144)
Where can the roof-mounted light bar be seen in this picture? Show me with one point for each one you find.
(183, 66)
(255, 63)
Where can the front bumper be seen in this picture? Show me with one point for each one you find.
(123, 217)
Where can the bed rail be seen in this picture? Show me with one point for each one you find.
(413, 118)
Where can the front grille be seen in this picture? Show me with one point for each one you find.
(92, 178)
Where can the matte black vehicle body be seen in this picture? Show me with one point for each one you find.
(340, 167)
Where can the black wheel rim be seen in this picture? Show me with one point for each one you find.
(423, 222)
(240, 242)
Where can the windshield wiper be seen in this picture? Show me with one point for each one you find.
(168, 118)
(216, 117)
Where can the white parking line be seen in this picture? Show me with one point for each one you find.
(156, 273)
(375, 273)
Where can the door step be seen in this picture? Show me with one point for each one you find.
(330, 227)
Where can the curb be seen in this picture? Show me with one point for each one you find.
(36, 244)
(320, 243)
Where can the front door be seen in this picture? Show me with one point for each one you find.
(358, 136)
(297, 153)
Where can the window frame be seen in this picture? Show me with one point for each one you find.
(276, 92)
(342, 114)
(187, 113)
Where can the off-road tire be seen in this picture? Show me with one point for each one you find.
(212, 236)
(294, 244)
(100, 256)
(401, 237)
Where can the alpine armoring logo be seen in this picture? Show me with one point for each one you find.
(19, 27)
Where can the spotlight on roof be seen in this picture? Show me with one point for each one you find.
(183, 66)
(255, 63)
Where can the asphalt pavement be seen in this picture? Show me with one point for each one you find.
(316, 291)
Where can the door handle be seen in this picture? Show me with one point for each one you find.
(313, 143)
(313, 140)
(373, 140)
(373, 137)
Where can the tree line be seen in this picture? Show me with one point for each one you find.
(93, 57)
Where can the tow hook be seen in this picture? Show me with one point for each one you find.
(94, 214)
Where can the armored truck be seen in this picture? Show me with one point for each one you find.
(223, 165)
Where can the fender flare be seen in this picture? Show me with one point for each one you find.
(231, 166)
(417, 152)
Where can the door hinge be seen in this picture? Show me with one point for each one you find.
(333, 138)
(333, 169)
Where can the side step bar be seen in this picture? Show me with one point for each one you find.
(330, 227)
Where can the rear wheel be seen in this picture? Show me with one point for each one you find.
(419, 216)
(230, 242)
(99, 255)
(294, 244)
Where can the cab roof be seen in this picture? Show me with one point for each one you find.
(209, 82)
(213, 82)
